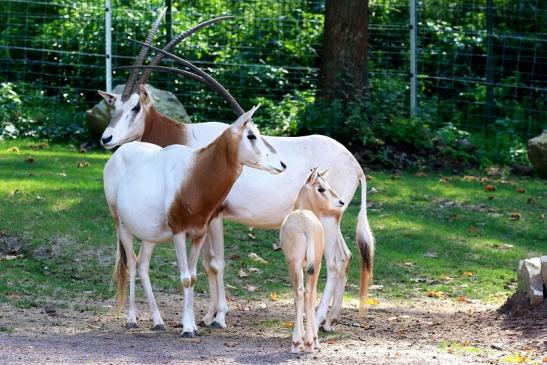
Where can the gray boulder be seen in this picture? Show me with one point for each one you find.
(537, 153)
(166, 102)
(530, 280)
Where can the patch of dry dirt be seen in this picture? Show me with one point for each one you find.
(421, 331)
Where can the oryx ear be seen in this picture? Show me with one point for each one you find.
(324, 173)
(110, 98)
(312, 177)
(144, 95)
(245, 118)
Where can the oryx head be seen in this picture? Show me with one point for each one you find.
(128, 121)
(254, 151)
(318, 193)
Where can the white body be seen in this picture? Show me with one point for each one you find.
(272, 198)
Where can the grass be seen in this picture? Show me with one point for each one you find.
(434, 233)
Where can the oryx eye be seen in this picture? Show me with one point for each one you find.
(251, 137)
(321, 190)
(137, 108)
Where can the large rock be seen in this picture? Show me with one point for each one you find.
(537, 153)
(530, 280)
(166, 102)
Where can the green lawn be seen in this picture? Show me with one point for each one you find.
(434, 232)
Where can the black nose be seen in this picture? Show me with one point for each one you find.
(283, 165)
(106, 139)
(341, 202)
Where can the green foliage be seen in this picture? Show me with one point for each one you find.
(26, 112)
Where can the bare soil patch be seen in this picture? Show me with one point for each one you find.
(418, 331)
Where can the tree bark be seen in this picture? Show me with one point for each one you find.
(343, 68)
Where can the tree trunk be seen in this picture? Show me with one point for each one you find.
(343, 69)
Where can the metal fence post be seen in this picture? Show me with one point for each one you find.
(413, 26)
(108, 45)
(489, 63)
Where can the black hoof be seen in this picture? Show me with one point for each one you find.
(159, 327)
(215, 324)
(131, 325)
(188, 334)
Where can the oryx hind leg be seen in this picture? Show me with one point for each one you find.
(145, 254)
(213, 261)
(344, 260)
(337, 263)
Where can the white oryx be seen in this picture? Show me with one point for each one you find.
(301, 238)
(158, 194)
(272, 197)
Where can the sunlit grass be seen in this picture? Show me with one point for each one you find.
(434, 232)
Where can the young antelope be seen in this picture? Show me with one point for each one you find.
(302, 241)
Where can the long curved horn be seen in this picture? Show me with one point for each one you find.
(233, 103)
(131, 81)
(179, 39)
(214, 83)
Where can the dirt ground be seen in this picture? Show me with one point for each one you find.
(421, 331)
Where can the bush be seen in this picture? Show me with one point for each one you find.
(27, 112)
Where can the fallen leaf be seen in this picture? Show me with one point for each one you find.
(515, 216)
(242, 274)
(274, 297)
(467, 273)
(372, 301)
(250, 288)
(544, 359)
(392, 318)
(331, 341)
(489, 188)
(253, 256)
(235, 257)
(444, 180)
(446, 278)
(254, 270)
(473, 229)
(435, 294)
(409, 264)
(81, 164)
(466, 343)
(470, 178)
(462, 299)
(521, 190)
(376, 287)
(230, 286)
(516, 358)
(13, 150)
(276, 247)
(483, 180)
(432, 254)
(29, 159)
(288, 324)
(251, 236)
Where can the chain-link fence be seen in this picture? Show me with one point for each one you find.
(482, 65)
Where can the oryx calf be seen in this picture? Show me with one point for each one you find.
(160, 194)
(302, 241)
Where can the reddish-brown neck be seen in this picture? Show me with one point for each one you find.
(216, 168)
(162, 131)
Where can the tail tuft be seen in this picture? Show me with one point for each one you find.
(365, 242)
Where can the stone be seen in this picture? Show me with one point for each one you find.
(537, 153)
(544, 271)
(530, 280)
(166, 102)
(49, 309)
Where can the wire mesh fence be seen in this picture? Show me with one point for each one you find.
(482, 79)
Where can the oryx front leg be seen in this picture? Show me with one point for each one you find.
(147, 248)
(188, 326)
(213, 261)
(127, 241)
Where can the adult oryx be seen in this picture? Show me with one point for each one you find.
(272, 196)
